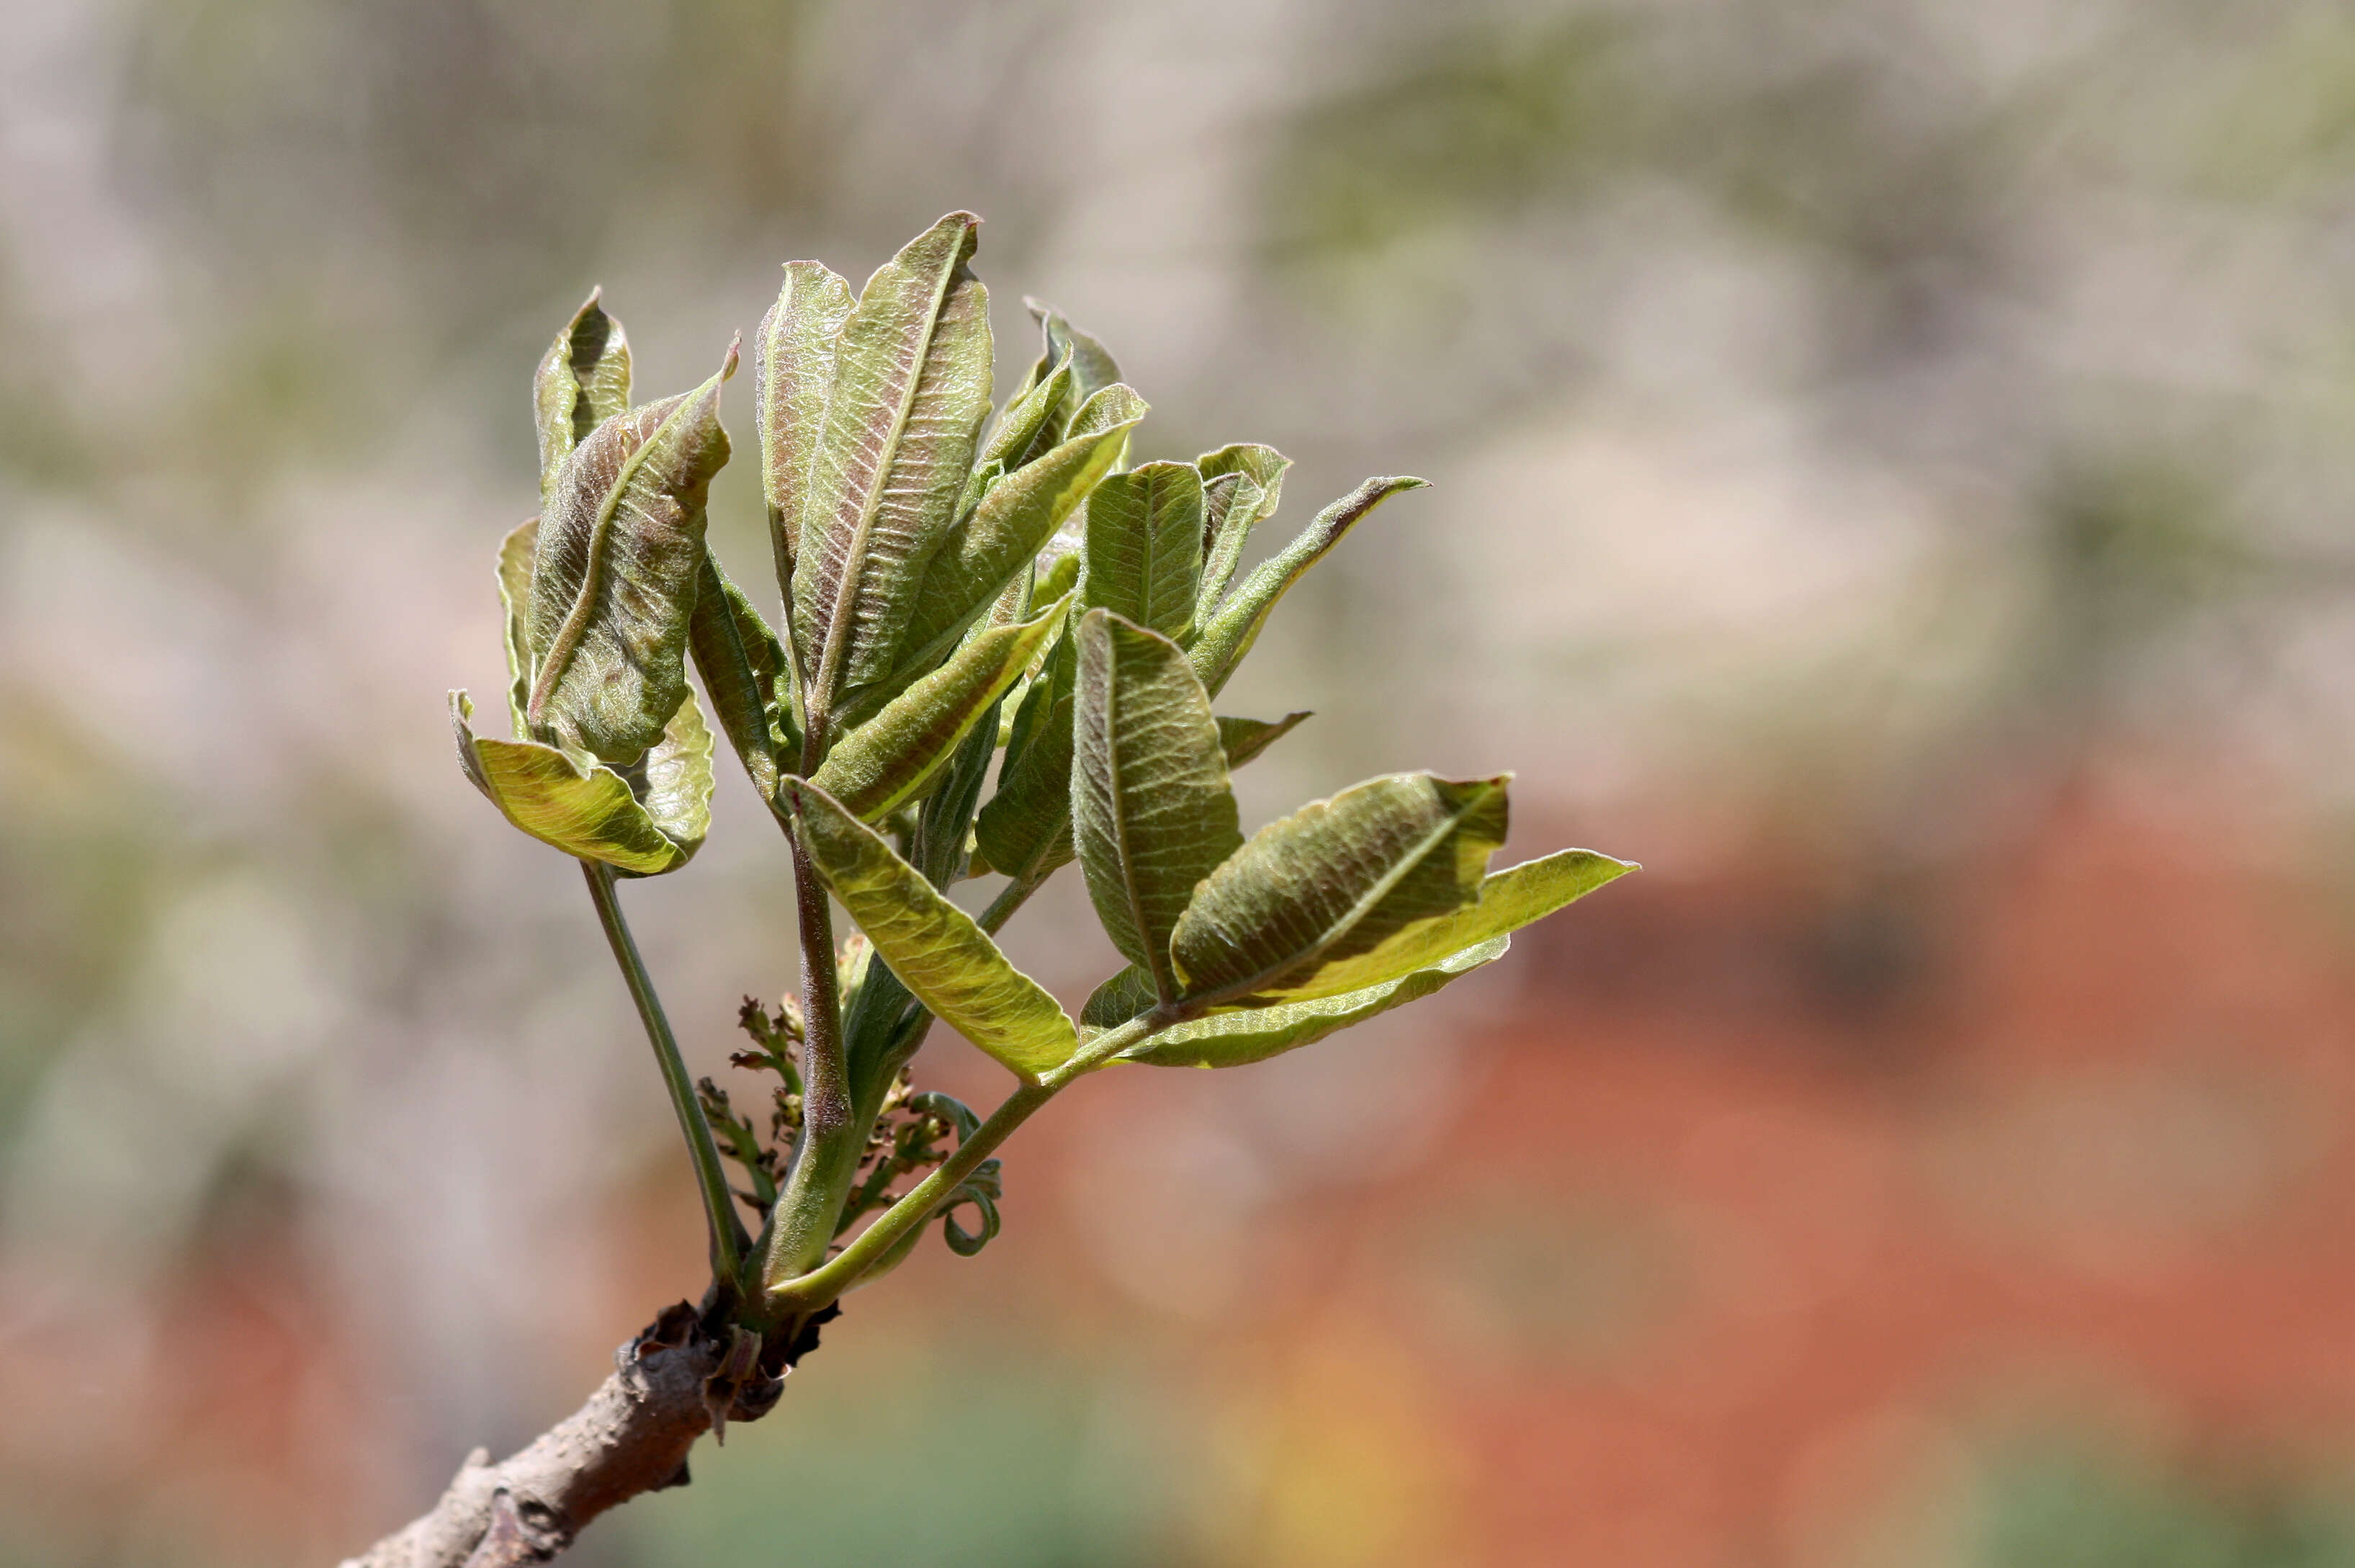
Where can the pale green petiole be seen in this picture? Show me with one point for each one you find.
(719, 1206)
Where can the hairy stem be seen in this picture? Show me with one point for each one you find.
(825, 1157)
(719, 1206)
(870, 1246)
(820, 1285)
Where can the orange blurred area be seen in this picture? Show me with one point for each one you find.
(1891, 468)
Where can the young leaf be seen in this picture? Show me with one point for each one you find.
(933, 947)
(1031, 423)
(889, 761)
(911, 388)
(585, 809)
(1152, 814)
(1009, 528)
(1254, 1034)
(1228, 635)
(1116, 1001)
(1247, 738)
(1093, 366)
(1025, 830)
(792, 366)
(743, 669)
(1145, 546)
(613, 584)
(516, 553)
(583, 380)
(1506, 902)
(1246, 500)
(1335, 880)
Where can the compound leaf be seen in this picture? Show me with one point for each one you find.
(1247, 738)
(792, 369)
(582, 806)
(1144, 546)
(516, 552)
(1227, 634)
(1245, 501)
(1152, 814)
(743, 669)
(890, 760)
(1254, 1034)
(910, 390)
(1336, 878)
(582, 381)
(1008, 530)
(614, 579)
(1506, 902)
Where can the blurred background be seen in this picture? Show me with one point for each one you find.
(1892, 467)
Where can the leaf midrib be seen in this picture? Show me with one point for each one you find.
(1365, 905)
(1156, 963)
(567, 641)
(854, 569)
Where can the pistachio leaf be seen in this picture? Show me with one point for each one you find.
(583, 380)
(1008, 530)
(1247, 738)
(1144, 546)
(516, 552)
(582, 806)
(889, 761)
(932, 947)
(1031, 422)
(1247, 500)
(676, 792)
(1116, 1001)
(911, 388)
(1229, 634)
(1254, 1034)
(1025, 830)
(743, 669)
(1336, 878)
(1506, 902)
(614, 579)
(1152, 812)
(1092, 365)
(793, 368)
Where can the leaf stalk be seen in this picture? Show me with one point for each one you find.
(727, 1238)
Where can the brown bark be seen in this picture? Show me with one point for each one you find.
(632, 1436)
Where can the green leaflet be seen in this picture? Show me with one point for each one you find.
(612, 583)
(1092, 365)
(889, 761)
(1506, 902)
(1152, 814)
(1025, 830)
(583, 380)
(1058, 577)
(1228, 635)
(743, 669)
(1008, 530)
(585, 809)
(793, 367)
(911, 388)
(1144, 546)
(516, 552)
(1336, 878)
(1254, 1034)
(1116, 1001)
(1247, 738)
(1246, 500)
(1031, 422)
(932, 947)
